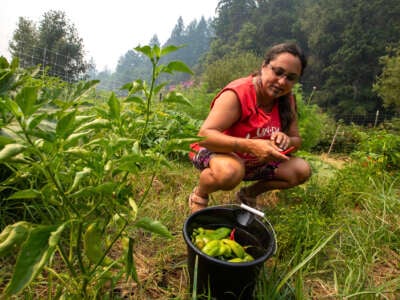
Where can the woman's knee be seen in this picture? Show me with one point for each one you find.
(295, 172)
(303, 171)
(228, 173)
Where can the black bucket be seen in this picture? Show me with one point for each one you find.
(221, 279)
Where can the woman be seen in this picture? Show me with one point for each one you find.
(251, 122)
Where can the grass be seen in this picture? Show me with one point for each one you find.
(332, 244)
(337, 238)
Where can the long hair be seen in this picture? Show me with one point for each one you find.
(286, 113)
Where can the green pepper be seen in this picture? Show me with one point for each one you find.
(248, 257)
(93, 244)
(201, 236)
(237, 249)
(212, 248)
(236, 260)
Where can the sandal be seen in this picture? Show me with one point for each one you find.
(197, 202)
(241, 197)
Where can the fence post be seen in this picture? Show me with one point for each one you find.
(333, 140)
(44, 58)
(376, 118)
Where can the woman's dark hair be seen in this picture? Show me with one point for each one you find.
(285, 109)
(291, 48)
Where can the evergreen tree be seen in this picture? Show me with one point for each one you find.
(388, 83)
(55, 45)
(23, 43)
(346, 40)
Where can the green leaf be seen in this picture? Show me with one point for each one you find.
(174, 97)
(156, 51)
(65, 125)
(177, 66)
(134, 207)
(106, 188)
(95, 124)
(13, 107)
(25, 194)
(135, 99)
(75, 137)
(35, 253)
(159, 87)
(80, 152)
(78, 177)
(178, 144)
(135, 86)
(93, 244)
(114, 106)
(13, 235)
(35, 120)
(168, 49)
(26, 100)
(83, 88)
(11, 150)
(146, 50)
(153, 226)
(4, 140)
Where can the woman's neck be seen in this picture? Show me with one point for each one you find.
(264, 101)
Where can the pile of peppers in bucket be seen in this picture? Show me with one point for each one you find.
(220, 243)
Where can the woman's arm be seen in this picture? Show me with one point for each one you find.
(224, 113)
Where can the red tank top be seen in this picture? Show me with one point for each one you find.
(254, 123)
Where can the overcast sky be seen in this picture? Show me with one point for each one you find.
(108, 28)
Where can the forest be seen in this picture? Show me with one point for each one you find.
(352, 47)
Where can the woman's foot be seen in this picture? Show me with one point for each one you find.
(197, 202)
(241, 197)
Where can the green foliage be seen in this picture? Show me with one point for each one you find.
(313, 124)
(388, 83)
(361, 200)
(232, 66)
(69, 159)
(379, 147)
(200, 103)
(346, 40)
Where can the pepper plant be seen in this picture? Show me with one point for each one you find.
(67, 159)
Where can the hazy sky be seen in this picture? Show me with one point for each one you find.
(108, 28)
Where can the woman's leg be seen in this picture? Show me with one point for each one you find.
(288, 174)
(225, 172)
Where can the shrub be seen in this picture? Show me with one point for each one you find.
(232, 66)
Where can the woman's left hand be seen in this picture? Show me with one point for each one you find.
(281, 139)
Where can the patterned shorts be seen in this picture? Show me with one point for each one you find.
(262, 172)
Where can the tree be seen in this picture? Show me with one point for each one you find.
(24, 39)
(230, 67)
(55, 45)
(195, 38)
(132, 65)
(388, 83)
(346, 39)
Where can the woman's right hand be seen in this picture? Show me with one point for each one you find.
(265, 150)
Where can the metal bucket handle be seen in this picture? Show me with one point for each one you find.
(260, 214)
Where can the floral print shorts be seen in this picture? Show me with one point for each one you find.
(261, 172)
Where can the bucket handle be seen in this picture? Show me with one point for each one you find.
(261, 215)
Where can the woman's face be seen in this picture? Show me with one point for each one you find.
(280, 74)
